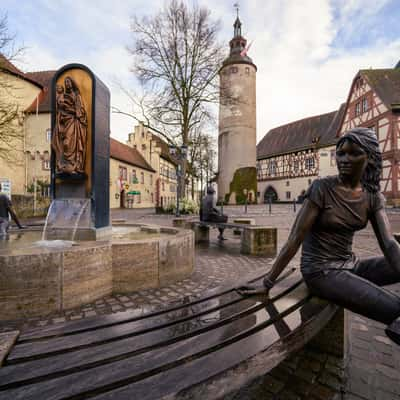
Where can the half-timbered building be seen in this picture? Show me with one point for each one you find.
(374, 102)
(291, 156)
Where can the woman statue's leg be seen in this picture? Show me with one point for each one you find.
(377, 270)
(353, 290)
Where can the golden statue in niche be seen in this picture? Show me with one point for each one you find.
(70, 133)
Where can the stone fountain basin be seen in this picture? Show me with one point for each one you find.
(36, 281)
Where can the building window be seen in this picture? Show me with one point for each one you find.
(310, 163)
(163, 186)
(287, 183)
(247, 71)
(233, 70)
(358, 108)
(287, 195)
(151, 180)
(46, 165)
(296, 166)
(364, 104)
(48, 135)
(123, 173)
(272, 168)
(143, 147)
(134, 177)
(152, 198)
(142, 177)
(310, 181)
(45, 190)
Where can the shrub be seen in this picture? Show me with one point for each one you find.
(186, 206)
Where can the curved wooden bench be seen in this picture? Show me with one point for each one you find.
(201, 348)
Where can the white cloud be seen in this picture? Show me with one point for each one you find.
(301, 69)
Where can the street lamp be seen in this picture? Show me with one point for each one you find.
(179, 153)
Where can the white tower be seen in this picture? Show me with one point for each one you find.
(237, 123)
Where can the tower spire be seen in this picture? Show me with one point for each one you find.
(237, 25)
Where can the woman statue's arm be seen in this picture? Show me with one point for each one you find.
(303, 223)
(388, 244)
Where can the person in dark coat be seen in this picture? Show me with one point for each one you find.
(6, 210)
(209, 212)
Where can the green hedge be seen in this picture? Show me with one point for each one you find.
(244, 178)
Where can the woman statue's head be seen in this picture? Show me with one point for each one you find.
(368, 142)
(70, 85)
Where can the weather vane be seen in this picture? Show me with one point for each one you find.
(236, 5)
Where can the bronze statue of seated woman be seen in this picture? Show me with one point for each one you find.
(335, 207)
(209, 212)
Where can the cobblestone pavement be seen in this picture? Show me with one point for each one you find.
(373, 363)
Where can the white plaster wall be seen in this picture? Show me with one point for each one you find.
(295, 187)
(237, 123)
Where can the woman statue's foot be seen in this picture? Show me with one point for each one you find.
(393, 331)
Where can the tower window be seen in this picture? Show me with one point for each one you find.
(247, 71)
(233, 70)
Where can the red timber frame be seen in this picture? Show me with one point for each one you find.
(374, 117)
(289, 165)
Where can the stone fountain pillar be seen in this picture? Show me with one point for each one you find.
(80, 156)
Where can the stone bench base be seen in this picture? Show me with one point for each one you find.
(255, 239)
(245, 221)
(259, 241)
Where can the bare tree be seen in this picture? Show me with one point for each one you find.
(11, 134)
(176, 59)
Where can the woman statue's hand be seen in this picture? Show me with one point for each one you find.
(250, 290)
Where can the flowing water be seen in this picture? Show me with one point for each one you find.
(65, 217)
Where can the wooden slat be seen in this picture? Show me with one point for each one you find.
(131, 329)
(86, 324)
(171, 382)
(158, 359)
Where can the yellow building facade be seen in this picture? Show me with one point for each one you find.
(16, 90)
(132, 179)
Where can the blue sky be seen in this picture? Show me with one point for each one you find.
(307, 51)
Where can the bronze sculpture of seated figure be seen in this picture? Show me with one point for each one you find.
(209, 212)
(335, 207)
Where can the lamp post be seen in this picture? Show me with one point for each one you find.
(179, 153)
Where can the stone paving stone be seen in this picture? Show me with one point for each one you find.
(7, 340)
(90, 313)
(58, 320)
(74, 317)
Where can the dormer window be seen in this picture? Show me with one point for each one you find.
(358, 108)
(364, 104)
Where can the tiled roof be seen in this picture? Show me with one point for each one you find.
(386, 84)
(319, 131)
(164, 149)
(129, 155)
(8, 66)
(44, 78)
